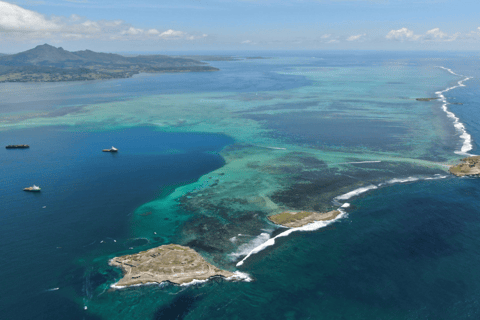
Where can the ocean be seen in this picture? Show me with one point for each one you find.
(204, 158)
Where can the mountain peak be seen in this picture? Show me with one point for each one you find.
(44, 54)
(45, 45)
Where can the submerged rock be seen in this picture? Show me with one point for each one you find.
(426, 99)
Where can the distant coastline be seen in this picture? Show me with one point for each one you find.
(34, 74)
(47, 63)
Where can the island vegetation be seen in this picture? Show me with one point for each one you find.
(46, 63)
(295, 219)
(468, 167)
(173, 263)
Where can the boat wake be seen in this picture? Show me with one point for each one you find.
(460, 127)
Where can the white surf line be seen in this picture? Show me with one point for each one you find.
(245, 248)
(237, 276)
(321, 224)
(309, 227)
(467, 138)
(361, 190)
(467, 146)
(355, 192)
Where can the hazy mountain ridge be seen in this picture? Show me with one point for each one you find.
(48, 63)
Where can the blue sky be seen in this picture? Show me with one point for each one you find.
(145, 25)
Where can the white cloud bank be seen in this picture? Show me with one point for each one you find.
(435, 34)
(356, 37)
(22, 24)
(15, 18)
(402, 34)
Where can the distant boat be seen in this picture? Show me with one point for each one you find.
(17, 146)
(113, 149)
(34, 188)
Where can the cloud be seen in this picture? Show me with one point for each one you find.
(132, 31)
(153, 31)
(356, 37)
(402, 35)
(17, 19)
(434, 34)
(170, 34)
(246, 42)
(22, 24)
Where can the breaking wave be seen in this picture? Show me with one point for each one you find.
(460, 127)
(309, 227)
(355, 192)
(245, 248)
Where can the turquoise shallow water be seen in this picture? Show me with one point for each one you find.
(406, 251)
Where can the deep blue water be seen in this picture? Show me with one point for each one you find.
(408, 251)
(40, 245)
(404, 252)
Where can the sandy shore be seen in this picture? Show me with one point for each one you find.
(171, 262)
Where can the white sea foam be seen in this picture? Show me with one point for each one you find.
(355, 192)
(359, 191)
(400, 180)
(245, 248)
(114, 286)
(237, 276)
(193, 282)
(460, 127)
(276, 148)
(437, 176)
(309, 227)
(467, 146)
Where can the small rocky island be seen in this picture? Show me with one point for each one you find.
(469, 167)
(298, 219)
(174, 263)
